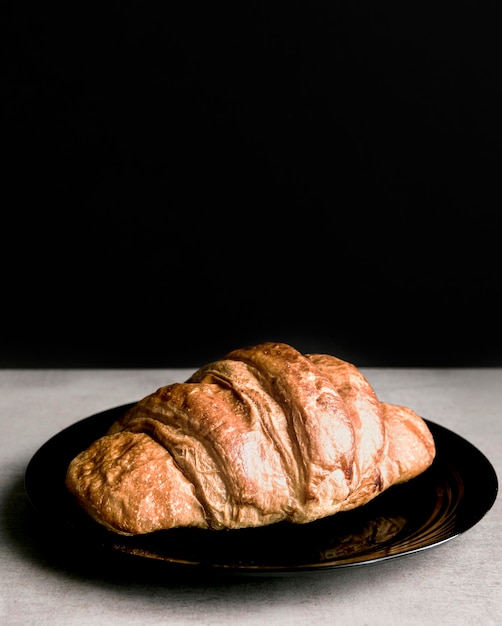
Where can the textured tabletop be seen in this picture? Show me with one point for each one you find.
(457, 582)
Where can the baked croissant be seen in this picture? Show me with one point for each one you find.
(263, 435)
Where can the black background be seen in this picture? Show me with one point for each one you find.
(184, 180)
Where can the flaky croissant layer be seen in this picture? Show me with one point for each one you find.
(263, 435)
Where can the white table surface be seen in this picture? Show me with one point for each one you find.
(458, 582)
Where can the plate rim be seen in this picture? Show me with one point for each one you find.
(261, 569)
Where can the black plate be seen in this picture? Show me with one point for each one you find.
(446, 500)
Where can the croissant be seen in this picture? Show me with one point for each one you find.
(266, 434)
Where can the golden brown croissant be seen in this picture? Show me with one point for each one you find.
(263, 435)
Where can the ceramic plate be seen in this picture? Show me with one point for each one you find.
(446, 500)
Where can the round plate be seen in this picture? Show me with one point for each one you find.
(446, 500)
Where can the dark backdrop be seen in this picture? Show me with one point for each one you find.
(183, 181)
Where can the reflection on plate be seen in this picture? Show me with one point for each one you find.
(446, 500)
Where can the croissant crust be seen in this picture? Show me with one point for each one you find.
(265, 434)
